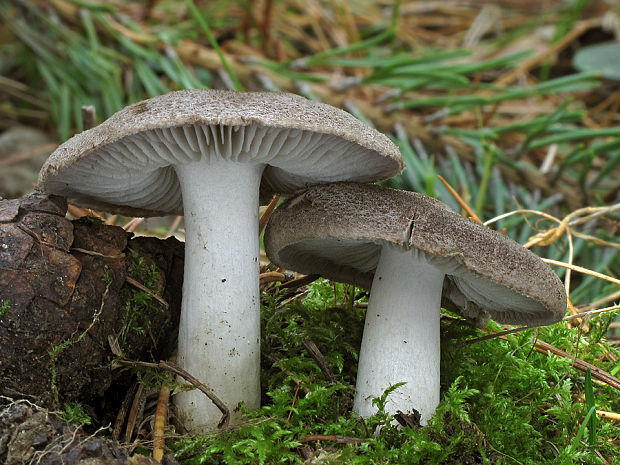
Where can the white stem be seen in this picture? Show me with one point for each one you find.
(401, 336)
(219, 331)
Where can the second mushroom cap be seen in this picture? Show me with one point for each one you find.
(337, 230)
(406, 245)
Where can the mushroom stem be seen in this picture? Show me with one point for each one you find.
(401, 335)
(219, 331)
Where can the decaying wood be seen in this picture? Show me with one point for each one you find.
(64, 292)
(316, 354)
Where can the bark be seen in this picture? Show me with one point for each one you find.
(66, 305)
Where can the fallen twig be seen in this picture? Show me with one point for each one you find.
(161, 413)
(611, 415)
(143, 288)
(316, 354)
(177, 370)
(330, 437)
(544, 347)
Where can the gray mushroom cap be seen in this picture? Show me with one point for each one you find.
(338, 230)
(125, 164)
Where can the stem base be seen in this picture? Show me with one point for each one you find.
(401, 336)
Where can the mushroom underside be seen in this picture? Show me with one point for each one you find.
(137, 172)
(354, 261)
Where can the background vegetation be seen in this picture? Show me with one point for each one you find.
(485, 95)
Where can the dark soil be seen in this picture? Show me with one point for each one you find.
(31, 435)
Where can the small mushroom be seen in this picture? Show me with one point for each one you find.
(409, 247)
(204, 153)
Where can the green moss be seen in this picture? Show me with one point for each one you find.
(502, 402)
(74, 413)
(6, 305)
(140, 304)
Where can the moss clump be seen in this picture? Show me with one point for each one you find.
(73, 413)
(6, 305)
(501, 403)
(140, 304)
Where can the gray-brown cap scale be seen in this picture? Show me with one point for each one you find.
(208, 154)
(348, 231)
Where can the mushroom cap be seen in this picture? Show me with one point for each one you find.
(125, 164)
(337, 230)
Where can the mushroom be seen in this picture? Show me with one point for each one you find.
(205, 153)
(407, 247)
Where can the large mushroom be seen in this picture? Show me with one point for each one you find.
(204, 153)
(406, 248)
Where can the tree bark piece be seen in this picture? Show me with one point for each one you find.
(64, 294)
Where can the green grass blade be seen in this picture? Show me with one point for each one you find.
(582, 428)
(590, 405)
(489, 159)
(207, 30)
(611, 165)
(152, 84)
(98, 7)
(574, 134)
(461, 103)
(319, 58)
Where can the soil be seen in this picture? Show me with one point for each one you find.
(32, 435)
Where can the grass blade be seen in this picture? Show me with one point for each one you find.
(590, 405)
(207, 30)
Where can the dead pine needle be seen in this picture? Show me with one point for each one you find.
(290, 413)
(270, 277)
(143, 288)
(123, 411)
(174, 226)
(132, 225)
(136, 411)
(267, 213)
(576, 316)
(582, 270)
(316, 354)
(333, 438)
(78, 212)
(161, 414)
(459, 199)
